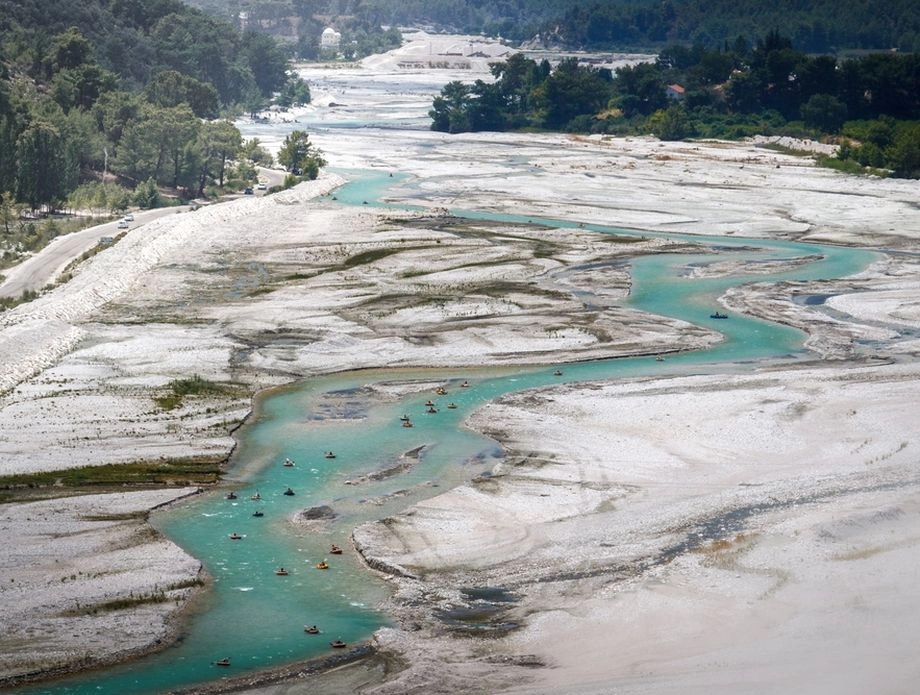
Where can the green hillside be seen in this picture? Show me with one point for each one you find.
(104, 103)
(812, 25)
(136, 39)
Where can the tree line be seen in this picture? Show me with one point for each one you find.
(817, 26)
(732, 91)
(76, 115)
(137, 39)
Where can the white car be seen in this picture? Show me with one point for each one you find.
(129, 217)
(261, 186)
(123, 224)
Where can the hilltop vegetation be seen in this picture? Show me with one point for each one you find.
(128, 89)
(817, 26)
(134, 40)
(105, 105)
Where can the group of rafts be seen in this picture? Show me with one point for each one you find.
(430, 407)
(281, 571)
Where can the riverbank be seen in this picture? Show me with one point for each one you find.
(256, 293)
(87, 582)
(691, 534)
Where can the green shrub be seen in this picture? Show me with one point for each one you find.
(193, 386)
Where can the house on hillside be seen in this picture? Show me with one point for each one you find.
(675, 92)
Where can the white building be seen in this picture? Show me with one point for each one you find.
(330, 38)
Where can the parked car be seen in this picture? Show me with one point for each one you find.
(247, 191)
(129, 217)
(261, 186)
(123, 224)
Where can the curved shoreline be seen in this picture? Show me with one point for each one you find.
(302, 669)
(105, 554)
(700, 542)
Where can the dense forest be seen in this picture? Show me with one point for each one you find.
(110, 104)
(104, 103)
(133, 91)
(873, 100)
(136, 39)
(816, 26)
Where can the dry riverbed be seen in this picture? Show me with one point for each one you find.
(639, 536)
(87, 581)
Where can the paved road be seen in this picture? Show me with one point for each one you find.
(44, 267)
(272, 177)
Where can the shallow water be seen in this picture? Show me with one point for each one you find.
(257, 618)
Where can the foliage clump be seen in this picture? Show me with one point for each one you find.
(108, 105)
(300, 157)
(193, 386)
(93, 479)
(729, 92)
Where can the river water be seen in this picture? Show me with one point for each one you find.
(257, 618)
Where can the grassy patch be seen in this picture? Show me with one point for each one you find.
(271, 287)
(30, 235)
(132, 600)
(10, 302)
(366, 257)
(849, 166)
(500, 289)
(846, 166)
(117, 604)
(168, 402)
(114, 476)
(785, 149)
(260, 291)
(716, 546)
(194, 386)
(125, 516)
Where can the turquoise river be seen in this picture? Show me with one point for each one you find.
(257, 618)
